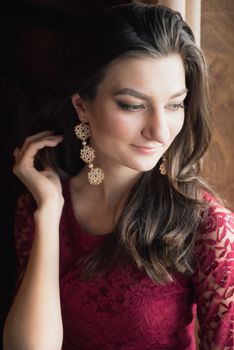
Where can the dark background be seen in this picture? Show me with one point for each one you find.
(31, 35)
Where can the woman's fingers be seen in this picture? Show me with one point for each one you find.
(28, 153)
(44, 185)
(33, 137)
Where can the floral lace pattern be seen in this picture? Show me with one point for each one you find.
(126, 310)
(24, 233)
(214, 280)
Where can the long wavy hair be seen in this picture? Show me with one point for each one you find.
(156, 230)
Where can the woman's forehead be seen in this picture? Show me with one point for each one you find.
(166, 72)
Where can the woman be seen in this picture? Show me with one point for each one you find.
(119, 240)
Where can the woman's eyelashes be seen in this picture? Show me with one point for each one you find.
(176, 106)
(136, 107)
(130, 107)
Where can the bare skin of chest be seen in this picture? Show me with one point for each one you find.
(93, 221)
(90, 216)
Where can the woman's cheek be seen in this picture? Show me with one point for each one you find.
(119, 126)
(177, 126)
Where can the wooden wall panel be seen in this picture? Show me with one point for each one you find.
(217, 41)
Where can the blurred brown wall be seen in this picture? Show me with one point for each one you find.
(217, 41)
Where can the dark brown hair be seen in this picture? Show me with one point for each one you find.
(157, 228)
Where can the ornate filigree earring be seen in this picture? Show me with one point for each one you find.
(87, 154)
(163, 166)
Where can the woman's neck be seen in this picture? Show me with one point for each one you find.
(112, 192)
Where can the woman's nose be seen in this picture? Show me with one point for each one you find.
(157, 127)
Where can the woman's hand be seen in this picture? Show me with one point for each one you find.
(45, 185)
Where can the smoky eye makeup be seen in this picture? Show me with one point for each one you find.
(130, 106)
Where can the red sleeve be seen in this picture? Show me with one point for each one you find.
(214, 280)
(24, 233)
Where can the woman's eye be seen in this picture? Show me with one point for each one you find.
(176, 106)
(130, 107)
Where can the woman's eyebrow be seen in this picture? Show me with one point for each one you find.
(132, 92)
(179, 93)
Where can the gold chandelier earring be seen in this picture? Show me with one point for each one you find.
(87, 154)
(163, 166)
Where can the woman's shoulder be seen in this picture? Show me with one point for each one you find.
(26, 200)
(216, 228)
(25, 208)
(216, 216)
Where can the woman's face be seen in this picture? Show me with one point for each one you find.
(136, 105)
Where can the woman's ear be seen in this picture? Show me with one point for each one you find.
(79, 106)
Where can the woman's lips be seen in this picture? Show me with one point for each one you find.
(146, 150)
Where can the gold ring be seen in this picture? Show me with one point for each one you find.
(17, 152)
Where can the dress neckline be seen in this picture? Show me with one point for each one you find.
(66, 184)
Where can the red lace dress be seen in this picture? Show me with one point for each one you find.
(126, 310)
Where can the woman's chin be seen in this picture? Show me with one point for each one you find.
(144, 167)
